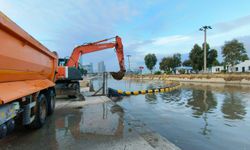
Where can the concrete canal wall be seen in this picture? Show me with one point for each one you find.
(243, 79)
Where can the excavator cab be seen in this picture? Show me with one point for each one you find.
(68, 72)
(62, 61)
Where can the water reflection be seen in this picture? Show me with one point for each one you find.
(90, 127)
(233, 107)
(90, 123)
(202, 102)
(173, 96)
(151, 98)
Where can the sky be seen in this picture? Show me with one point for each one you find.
(163, 27)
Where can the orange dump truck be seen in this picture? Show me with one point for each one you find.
(27, 74)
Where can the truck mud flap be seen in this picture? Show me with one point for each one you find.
(27, 116)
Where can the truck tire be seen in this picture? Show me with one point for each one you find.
(10, 125)
(51, 102)
(41, 112)
(3, 130)
(72, 96)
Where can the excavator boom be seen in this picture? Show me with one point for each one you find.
(98, 46)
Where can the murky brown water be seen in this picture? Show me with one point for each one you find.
(199, 116)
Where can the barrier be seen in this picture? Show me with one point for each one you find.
(115, 93)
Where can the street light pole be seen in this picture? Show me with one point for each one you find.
(205, 50)
(128, 62)
(205, 28)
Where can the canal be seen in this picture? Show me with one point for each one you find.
(196, 116)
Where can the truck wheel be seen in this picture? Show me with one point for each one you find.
(10, 125)
(3, 130)
(72, 96)
(51, 102)
(41, 112)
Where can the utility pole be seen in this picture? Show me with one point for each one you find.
(128, 62)
(205, 28)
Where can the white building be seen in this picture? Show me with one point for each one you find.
(186, 69)
(101, 67)
(217, 69)
(242, 67)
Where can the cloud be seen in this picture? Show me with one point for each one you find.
(163, 46)
(233, 24)
(160, 41)
(136, 45)
(60, 25)
(151, 27)
(170, 39)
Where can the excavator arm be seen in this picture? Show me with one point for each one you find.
(98, 46)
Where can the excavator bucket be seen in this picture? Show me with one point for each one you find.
(118, 75)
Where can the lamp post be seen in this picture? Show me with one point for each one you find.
(128, 62)
(205, 28)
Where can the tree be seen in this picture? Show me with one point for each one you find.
(169, 63)
(150, 61)
(176, 60)
(234, 52)
(166, 64)
(212, 58)
(244, 57)
(187, 63)
(196, 57)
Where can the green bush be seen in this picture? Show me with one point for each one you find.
(182, 71)
(223, 71)
(168, 72)
(157, 73)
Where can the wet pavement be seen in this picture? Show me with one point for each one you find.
(96, 123)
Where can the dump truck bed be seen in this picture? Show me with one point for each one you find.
(26, 66)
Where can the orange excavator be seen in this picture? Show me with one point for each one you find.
(69, 72)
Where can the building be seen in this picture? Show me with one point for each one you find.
(101, 67)
(183, 69)
(88, 67)
(242, 67)
(217, 69)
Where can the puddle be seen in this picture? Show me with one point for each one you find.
(88, 124)
(95, 126)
